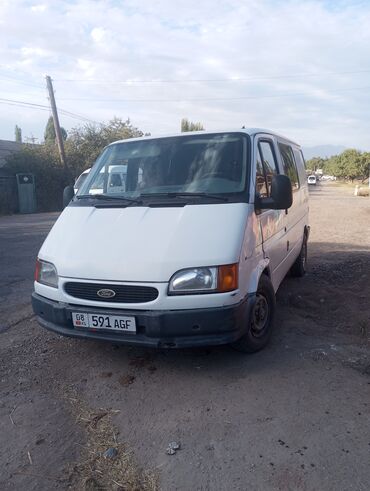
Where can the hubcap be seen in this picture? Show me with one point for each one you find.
(260, 316)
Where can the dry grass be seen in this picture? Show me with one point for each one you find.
(95, 472)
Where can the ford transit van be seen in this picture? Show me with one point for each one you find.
(187, 249)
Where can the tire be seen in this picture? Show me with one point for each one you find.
(299, 267)
(261, 321)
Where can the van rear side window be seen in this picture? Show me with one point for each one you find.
(301, 165)
(290, 166)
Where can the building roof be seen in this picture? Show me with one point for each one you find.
(8, 147)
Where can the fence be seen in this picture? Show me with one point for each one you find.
(8, 195)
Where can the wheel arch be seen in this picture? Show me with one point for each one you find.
(262, 268)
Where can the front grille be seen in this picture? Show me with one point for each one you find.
(123, 293)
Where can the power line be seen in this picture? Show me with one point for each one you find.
(6, 78)
(23, 103)
(138, 82)
(213, 99)
(227, 79)
(43, 107)
(77, 116)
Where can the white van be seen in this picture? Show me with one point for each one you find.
(116, 180)
(190, 252)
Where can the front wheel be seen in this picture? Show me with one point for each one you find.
(261, 321)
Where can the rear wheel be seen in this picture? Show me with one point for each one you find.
(299, 268)
(260, 323)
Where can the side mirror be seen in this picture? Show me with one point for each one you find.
(281, 194)
(68, 194)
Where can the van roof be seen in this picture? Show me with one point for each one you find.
(248, 131)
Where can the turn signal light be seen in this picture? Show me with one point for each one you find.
(37, 270)
(227, 278)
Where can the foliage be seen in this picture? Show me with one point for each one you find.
(350, 164)
(50, 178)
(82, 147)
(85, 143)
(315, 163)
(49, 134)
(18, 134)
(187, 125)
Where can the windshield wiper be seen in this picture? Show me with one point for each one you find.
(108, 197)
(184, 195)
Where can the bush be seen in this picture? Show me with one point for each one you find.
(82, 147)
(50, 178)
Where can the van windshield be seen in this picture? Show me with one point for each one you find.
(192, 164)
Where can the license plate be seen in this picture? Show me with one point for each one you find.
(106, 322)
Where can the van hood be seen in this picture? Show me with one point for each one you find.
(144, 244)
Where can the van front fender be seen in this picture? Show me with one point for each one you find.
(263, 264)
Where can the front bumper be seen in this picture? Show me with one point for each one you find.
(157, 329)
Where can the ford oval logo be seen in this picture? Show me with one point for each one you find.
(106, 293)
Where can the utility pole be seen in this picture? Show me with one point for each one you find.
(54, 112)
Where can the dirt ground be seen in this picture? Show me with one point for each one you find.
(292, 417)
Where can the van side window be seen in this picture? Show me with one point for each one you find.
(261, 183)
(268, 162)
(290, 166)
(301, 165)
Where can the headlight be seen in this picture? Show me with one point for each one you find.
(46, 273)
(194, 280)
(204, 280)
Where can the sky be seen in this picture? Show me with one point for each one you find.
(301, 68)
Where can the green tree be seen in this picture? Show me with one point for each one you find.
(49, 134)
(350, 164)
(187, 125)
(82, 147)
(315, 163)
(85, 143)
(18, 134)
(365, 166)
